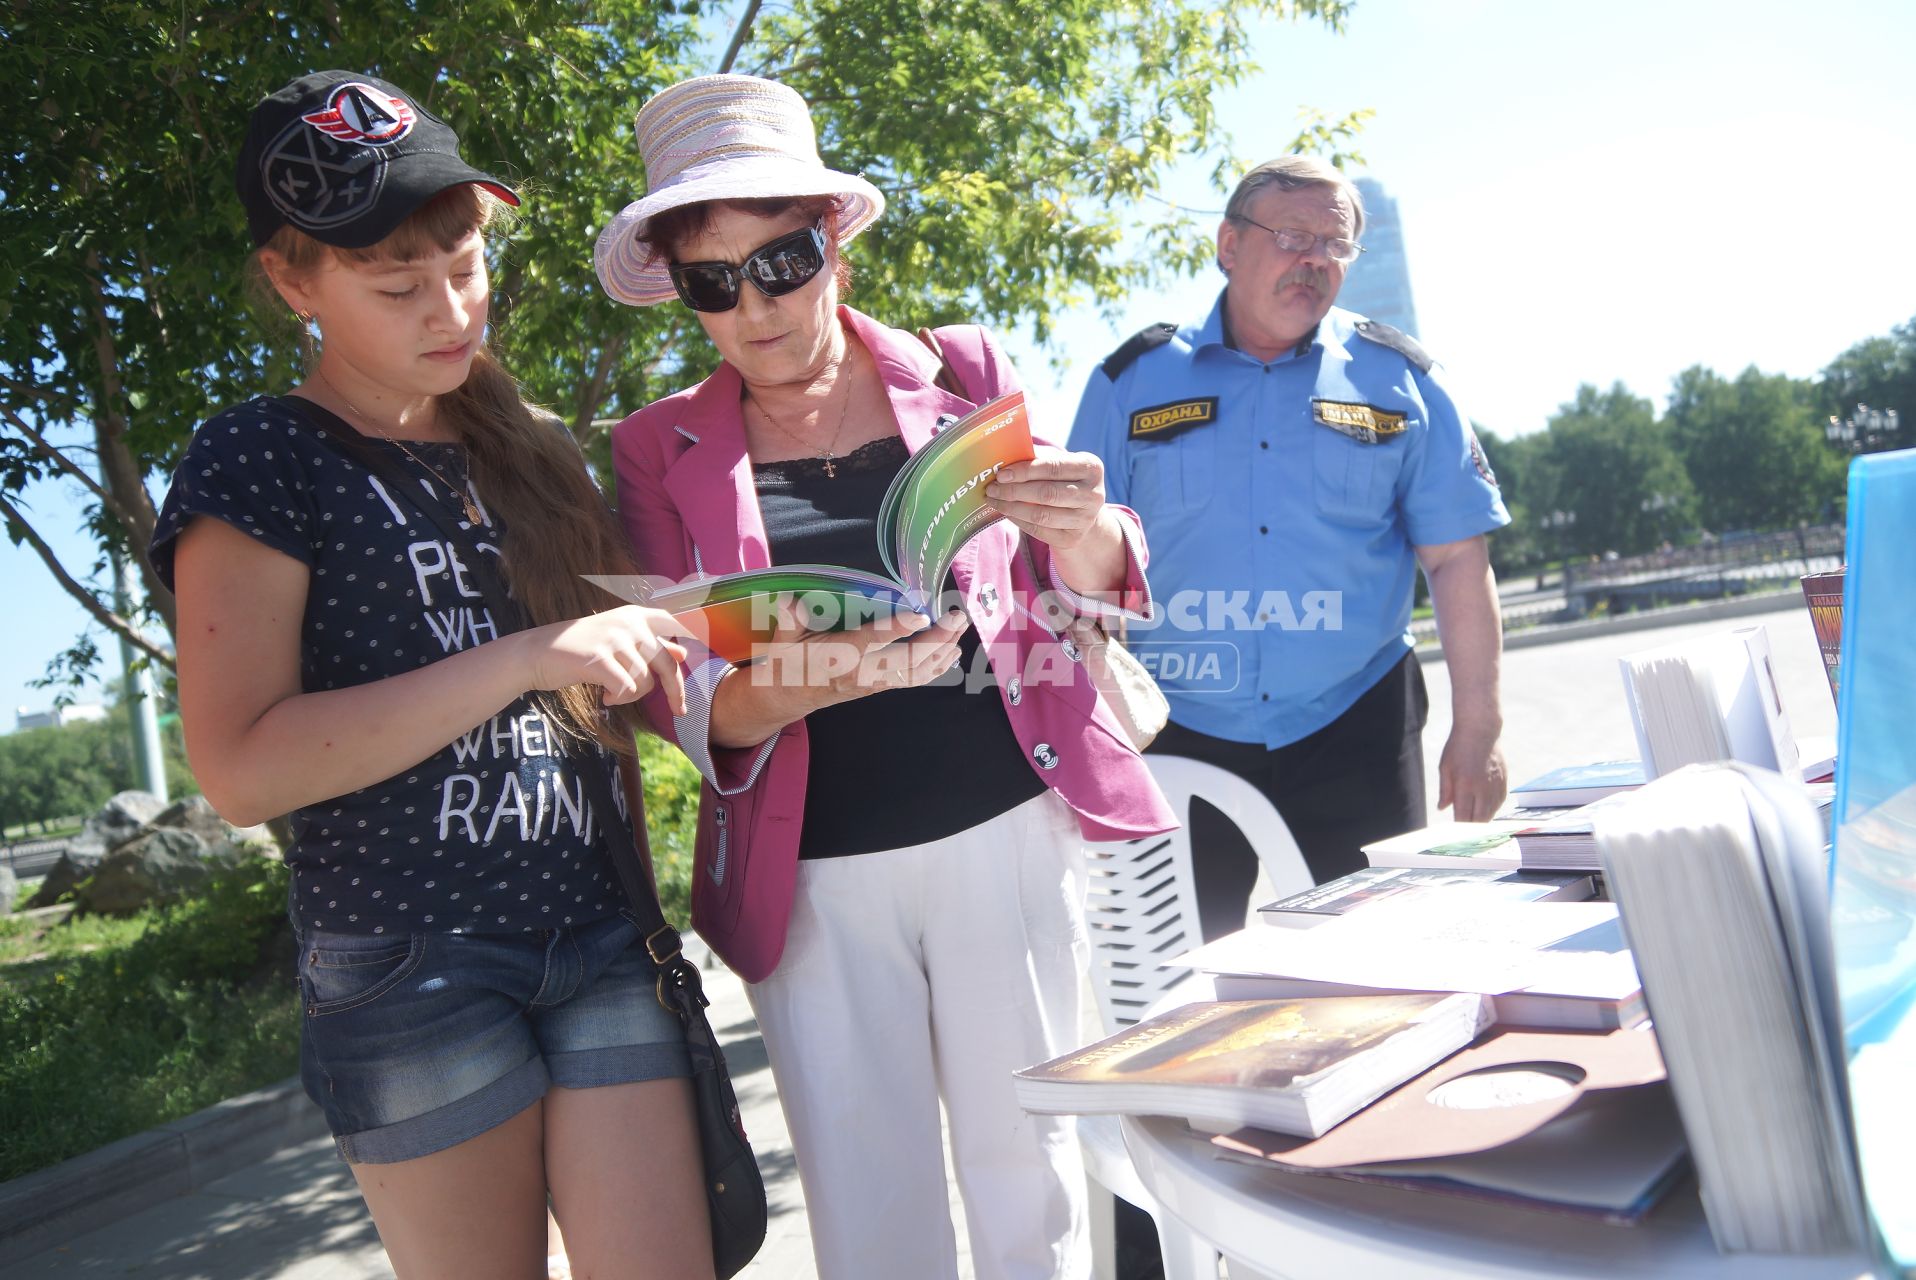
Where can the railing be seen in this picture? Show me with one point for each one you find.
(1802, 544)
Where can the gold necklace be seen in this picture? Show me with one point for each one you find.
(830, 454)
(458, 491)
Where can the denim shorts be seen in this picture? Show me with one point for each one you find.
(413, 1044)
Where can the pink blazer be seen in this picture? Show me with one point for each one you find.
(688, 502)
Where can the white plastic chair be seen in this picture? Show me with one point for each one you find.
(1141, 915)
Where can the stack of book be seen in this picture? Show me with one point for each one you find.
(1720, 874)
(1550, 965)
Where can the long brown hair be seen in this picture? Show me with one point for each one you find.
(525, 463)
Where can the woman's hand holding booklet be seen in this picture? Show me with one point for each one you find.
(934, 506)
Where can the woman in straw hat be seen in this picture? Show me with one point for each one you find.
(897, 850)
(479, 1024)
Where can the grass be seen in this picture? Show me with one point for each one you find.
(66, 827)
(109, 1027)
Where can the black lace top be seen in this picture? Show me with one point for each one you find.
(904, 766)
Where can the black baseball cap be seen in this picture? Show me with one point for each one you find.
(347, 157)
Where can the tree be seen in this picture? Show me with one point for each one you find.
(1754, 448)
(1605, 465)
(1879, 372)
(1012, 137)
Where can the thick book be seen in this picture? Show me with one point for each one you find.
(933, 507)
(1450, 845)
(1823, 594)
(1579, 784)
(1292, 1066)
(1709, 699)
(1549, 965)
(1360, 889)
(1720, 874)
(1567, 841)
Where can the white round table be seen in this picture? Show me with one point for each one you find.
(1292, 1226)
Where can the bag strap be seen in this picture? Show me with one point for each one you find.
(624, 840)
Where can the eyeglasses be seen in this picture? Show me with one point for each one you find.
(1291, 240)
(777, 268)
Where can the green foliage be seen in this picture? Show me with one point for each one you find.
(1754, 449)
(72, 769)
(1607, 461)
(171, 1011)
(671, 819)
(1009, 135)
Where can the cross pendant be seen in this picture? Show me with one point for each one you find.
(831, 472)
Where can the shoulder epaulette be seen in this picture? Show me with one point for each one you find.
(1397, 340)
(1152, 335)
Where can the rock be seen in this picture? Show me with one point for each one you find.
(65, 875)
(9, 890)
(161, 865)
(118, 820)
(195, 814)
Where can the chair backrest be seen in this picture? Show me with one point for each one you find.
(1141, 910)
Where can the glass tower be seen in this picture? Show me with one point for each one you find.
(1378, 283)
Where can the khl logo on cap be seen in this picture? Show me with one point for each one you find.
(360, 113)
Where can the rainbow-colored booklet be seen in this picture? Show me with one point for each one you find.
(936, 504)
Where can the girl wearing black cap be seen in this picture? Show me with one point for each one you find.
(480, 1026)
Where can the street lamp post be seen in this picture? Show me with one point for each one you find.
(1559, 524)
(1865, 430)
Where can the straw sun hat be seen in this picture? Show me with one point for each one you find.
(723, 137)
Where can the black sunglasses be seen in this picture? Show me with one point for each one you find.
(777, 268)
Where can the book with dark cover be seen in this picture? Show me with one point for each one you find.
(1823, 593)
(1293, 1066)
(1374, 884)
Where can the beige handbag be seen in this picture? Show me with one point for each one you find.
(1121, 680)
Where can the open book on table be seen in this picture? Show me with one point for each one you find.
(935, 505)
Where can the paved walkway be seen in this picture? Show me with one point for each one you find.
(297, 1216)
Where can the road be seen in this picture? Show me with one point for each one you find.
(1563, 703)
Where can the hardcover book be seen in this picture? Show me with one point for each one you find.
(934, 506)
(1579, 784)
(1292, 1066)
(1823, 593)
(1359, 889)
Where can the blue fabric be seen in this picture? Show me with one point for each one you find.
(491, 833)
(1283, 551)
(413, 1043)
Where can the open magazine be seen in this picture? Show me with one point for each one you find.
(935, 505)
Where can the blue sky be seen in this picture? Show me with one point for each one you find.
(1589, 193)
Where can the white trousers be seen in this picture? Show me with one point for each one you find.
(926, 972)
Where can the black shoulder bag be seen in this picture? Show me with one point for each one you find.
(734, 1188)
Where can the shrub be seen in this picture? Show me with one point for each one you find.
(194, 1004)
(671, 788)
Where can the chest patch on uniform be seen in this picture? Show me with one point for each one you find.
(1364, 423)
(1162, 421)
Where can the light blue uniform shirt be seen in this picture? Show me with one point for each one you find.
(1282, 542)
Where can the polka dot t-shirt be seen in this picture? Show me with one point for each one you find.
(492, 834)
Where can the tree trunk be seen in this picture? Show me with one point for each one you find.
(119, 469)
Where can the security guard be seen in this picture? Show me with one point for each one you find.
(1294, 464)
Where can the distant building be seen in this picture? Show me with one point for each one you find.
(75, 714)
(1378, 283)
